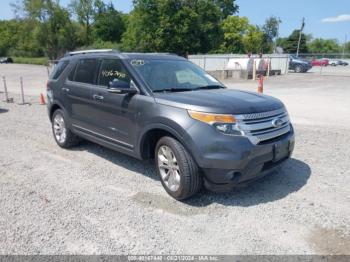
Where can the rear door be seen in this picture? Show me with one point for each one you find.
(77, 90)
(114, 114)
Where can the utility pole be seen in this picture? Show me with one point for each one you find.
(275, 45)
(301, 31)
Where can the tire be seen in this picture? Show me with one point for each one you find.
(298, 69)
(180, 178)
(62, 134)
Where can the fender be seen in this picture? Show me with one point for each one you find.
(58, 103)
(174, 131)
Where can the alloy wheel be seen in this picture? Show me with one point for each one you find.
(59, 128)
(168, 168)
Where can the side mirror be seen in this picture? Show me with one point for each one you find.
(121, 87)
(119, 84)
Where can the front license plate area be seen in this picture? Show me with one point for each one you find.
(280, 151)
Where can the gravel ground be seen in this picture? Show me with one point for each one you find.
(34, 78)
(91, 200)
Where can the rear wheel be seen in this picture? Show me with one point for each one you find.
(63, 136)
(177, 169)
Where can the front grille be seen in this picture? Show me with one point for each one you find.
(259, 127)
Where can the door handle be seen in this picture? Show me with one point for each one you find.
(65, 89)
(98, 97)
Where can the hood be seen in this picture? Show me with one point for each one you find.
(220, 101)
(301, 61)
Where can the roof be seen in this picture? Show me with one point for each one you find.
(116, 53)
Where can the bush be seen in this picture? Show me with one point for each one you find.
(31, 60)
(99, 44)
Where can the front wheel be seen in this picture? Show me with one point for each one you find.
(298, 69)
(63, 136)
(177, 169)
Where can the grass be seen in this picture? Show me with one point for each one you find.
(31, 60)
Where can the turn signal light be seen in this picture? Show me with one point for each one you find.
(212, 118)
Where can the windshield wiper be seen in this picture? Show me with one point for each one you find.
(172, 90)
(181, 89)
(209, 87)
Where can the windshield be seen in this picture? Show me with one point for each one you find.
(174, 75)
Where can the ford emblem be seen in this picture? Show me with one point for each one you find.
(277, 122)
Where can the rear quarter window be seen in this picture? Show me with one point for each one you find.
(58, 69)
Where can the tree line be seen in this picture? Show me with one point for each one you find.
(45, 28)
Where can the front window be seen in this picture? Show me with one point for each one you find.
(112, 70)
(174, 75)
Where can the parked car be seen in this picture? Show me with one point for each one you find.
(334, 62)
(6, 60)
(343, 63)
(299, 65)
(163, 107)
(320, 62)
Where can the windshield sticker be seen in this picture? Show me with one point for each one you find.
(113, 73)
(211, 78)
(137, 62)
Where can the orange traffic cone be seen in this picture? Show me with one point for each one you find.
(42, 99)
(261, 84)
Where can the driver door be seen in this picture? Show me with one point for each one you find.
(114, 114)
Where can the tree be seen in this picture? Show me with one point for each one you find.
(227, 7)
(85, 12)
(270, 29)
(176, 26)
(50, 25)
(109, 24)
(253, 40)
(290, 44)
(347, 47)
(324, 46)
(234, 28)
(8, 36)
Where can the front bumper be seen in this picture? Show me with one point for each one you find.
(229, 161)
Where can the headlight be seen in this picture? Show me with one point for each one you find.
(225, 124)
(228, 129)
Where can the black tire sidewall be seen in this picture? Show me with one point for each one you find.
(170, 142)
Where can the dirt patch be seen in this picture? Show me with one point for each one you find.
(330, 241)
(165, 204)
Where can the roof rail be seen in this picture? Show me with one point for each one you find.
(91, 51)
(153, 53)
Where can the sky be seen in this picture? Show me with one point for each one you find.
(324, 18)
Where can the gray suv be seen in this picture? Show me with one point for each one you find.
(163, 107)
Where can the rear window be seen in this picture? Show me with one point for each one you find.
(58, 69)
(86, 71)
